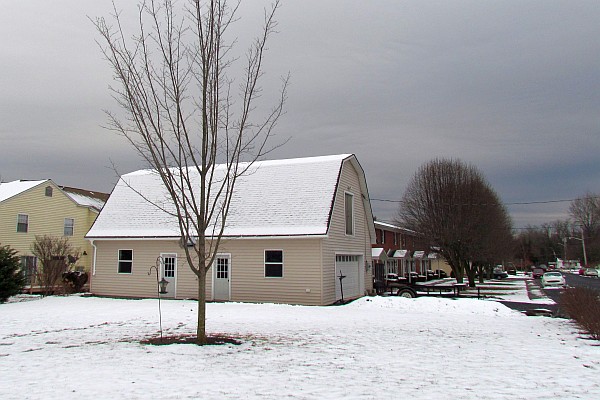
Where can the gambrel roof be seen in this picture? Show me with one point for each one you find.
(291, 197)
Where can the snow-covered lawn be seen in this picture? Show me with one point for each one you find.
(373, 348)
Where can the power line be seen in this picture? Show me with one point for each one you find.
(519, 203)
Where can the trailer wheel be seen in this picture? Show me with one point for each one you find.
(406, 293)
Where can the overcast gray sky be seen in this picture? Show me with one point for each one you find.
(510, 86)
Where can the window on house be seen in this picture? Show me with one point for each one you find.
(395, 239)
(349, 208)
(125, 261)
(22, 223)
(48, 191)
(273, 263)
(69, 226)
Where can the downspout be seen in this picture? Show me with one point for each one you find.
(93, 258)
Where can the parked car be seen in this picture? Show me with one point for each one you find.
(441, 273)
(553, 278)
(590, 272)
(511, 271)
(581, 271)
(499, 274)
(537, 273)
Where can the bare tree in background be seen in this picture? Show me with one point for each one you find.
(585, 211)
(54, 254)
(183, 118)
(450, 204)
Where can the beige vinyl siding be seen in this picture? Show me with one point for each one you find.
(301, 282)
(108, 282)
(301, 270)
(340, 243)
(46, 217)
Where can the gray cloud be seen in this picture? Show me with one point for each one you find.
(512, 87)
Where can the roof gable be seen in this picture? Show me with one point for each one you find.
(14, 188)
(275, 198)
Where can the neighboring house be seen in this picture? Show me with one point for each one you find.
(398, 250)
(30, 208)
(293, 227)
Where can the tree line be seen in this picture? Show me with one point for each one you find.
(566, 238)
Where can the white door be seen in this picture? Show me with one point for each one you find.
(221, 278)
(168, 271)
(348, 266)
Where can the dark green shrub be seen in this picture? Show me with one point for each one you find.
(11, 278)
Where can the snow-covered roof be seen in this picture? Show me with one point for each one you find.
(86, 198)
(388, 225)
(11, 189)
(276, 198)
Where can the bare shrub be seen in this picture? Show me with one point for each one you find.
(583, 306)
(54, 255)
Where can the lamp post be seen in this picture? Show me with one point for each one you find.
(161, 288)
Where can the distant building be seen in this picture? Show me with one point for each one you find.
(30, 208)
(399, 251)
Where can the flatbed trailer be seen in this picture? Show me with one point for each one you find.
(403, 288)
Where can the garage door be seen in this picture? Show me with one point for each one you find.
(349, 266)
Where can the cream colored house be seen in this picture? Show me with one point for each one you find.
(30, 208)
(294, 226)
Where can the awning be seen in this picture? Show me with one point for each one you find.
(399, 254)
(418, 254)
(378, 254)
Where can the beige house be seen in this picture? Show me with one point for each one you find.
(293, 228)
(30, 208)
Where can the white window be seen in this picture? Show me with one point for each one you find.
(125, 261)
(22, 223)
(273, 263)
(349, 213)
(169, 266)
(48, 191)
(69, 227)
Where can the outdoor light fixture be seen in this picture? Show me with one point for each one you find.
(162, 284)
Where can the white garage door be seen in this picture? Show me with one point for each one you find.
(349, 266)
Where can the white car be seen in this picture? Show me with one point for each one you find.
(553, 278)
(590, 272)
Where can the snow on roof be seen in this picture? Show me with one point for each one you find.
(86, 198)
(275, 198)
(10, 189)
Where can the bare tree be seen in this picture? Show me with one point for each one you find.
(182, 117)
(451, 205)
(585, 212)
(54, 255)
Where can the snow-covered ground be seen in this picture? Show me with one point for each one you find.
(374, 348)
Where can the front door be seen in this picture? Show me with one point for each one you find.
(221, 278)
(168, 270)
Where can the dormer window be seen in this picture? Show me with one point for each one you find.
(48, 191)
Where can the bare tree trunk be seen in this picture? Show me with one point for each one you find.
(201, 328)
